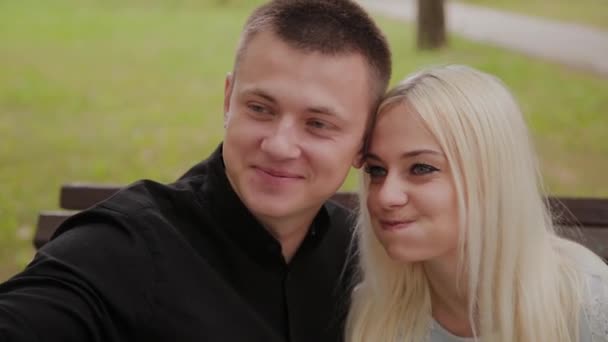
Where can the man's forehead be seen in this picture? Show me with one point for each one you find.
(267, 46)
(326, 83)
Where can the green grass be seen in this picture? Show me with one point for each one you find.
(113, 91)
(588, 12)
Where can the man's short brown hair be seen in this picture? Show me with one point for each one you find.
(331, 27)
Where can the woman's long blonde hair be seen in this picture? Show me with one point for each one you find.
(521, 281)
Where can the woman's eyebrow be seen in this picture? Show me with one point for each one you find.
(405, 155)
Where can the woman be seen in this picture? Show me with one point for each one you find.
(456, 243)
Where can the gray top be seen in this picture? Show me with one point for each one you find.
(593, 323)
(439, 334)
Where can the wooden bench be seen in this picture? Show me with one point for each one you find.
(588, 214)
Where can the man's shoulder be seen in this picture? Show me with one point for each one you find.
(147, 194)
(144, 202)
(342, 221)
(339, 214)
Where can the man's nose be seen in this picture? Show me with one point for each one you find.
(282, 142)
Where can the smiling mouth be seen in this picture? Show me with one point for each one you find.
(395, 224)
(278, 173)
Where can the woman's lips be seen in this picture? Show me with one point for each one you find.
(395, 224)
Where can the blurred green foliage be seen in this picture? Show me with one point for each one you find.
(113, 91)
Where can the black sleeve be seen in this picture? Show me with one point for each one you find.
(90, 283)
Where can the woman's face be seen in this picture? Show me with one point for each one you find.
(411, 200)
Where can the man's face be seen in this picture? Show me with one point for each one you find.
(294, 125)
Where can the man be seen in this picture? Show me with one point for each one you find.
(244, 246)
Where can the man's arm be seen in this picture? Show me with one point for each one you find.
(88, 284)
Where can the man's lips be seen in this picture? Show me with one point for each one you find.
(395, 224)
(278, 173)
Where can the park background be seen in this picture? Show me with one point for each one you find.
(113, 91)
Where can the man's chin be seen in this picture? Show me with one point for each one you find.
(272, 210)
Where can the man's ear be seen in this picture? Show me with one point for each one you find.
(358, 160)
(227, 94)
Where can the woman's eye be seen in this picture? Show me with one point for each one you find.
(422, 169)
(375, 171)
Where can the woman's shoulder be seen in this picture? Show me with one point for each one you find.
(595, 302)
(593, 276)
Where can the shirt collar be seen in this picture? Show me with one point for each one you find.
(239, 223)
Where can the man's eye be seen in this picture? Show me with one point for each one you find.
(422, 169)
(375, 171)
(317, 124)
(257, 108)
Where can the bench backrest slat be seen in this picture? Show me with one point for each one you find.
(568, 211)
(589, 214)
(78, 196)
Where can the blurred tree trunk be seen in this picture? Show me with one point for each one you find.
(431, 24)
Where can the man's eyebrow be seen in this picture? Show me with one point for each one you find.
(313, 109)
(408, 154)
(324, 110)
(261, 93)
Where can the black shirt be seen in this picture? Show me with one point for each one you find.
(180, 262)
